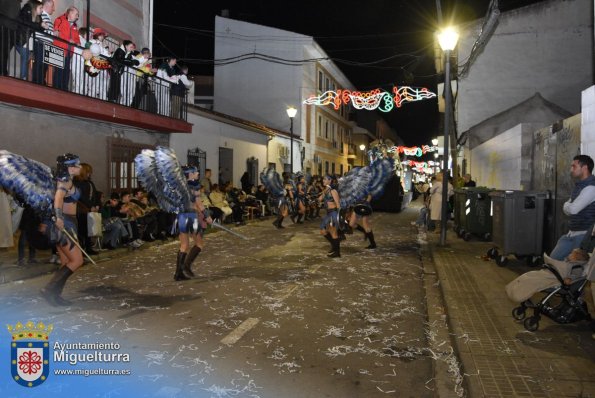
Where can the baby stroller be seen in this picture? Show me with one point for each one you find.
(562, 284)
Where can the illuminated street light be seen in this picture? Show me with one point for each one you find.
(448, 40)
(291, 112)
(362, 148)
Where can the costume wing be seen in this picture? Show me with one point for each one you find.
(353, 187)
(382, 171)
(30, 181)
(150, 178)
(160, 173)
(271, 180)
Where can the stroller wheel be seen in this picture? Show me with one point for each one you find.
(501, 260)
(492, 253)
(531, 324)
(518, 313)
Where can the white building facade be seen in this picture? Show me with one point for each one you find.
(257, 79)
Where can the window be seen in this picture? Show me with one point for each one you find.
(325, 167)
(333, 168)
(122, 169)
(320, 81)
(326, 129)
(327, 84)
(320, 126)
(341, 169)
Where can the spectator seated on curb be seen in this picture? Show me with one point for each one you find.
(114, 230)
(216, 213)
(218, 200)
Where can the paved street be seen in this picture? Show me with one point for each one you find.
(270, 316)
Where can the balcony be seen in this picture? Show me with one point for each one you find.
(51, 74)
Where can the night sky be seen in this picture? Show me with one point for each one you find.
(359, 31)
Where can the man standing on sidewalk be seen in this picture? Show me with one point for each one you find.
(580, 208)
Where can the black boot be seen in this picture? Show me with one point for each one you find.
(362, 230)
(279, 222)
(330, 239)
(179, 274)
(299, 218)
(53, 290)
(293, 216)
(195, 251)
(336, 248)
(370, 236)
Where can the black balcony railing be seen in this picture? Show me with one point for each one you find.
(29, 54)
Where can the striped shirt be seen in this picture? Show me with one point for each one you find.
(45, 17)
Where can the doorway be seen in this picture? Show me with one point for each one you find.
(225, 165)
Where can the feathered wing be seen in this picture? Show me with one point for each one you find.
(271, 180)
(353, 187)
(175, 186)
(161, 174)
(31, 181)
(150, 178)
(382, 171)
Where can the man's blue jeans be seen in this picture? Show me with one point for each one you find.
(565, 245)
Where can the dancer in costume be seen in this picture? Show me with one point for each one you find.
(176, 191)
(33, 184)
(330, 222)
(192, 222)
(271, 180)
(360, 220)
(64, 218)
(300, 199)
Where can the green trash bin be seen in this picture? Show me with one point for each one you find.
(459, 209)
(474, 206)
(518, 218)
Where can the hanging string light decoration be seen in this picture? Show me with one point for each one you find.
(371, 100)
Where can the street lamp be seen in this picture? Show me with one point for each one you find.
(291, 112)
(435, 142)
(362, 148)
(448, 40)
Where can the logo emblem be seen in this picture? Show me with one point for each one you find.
(30, 353)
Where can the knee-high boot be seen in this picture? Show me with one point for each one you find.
(279, 222)
(194, 252)
(336, 248)
(362, 230)
(53, 290)
(330, 239)
(370, 236)
(179, 274)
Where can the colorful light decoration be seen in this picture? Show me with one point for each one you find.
(415, 150)
(370, 100)
(421, 167)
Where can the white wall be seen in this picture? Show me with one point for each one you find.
(546, 47)
(209, 135)
(497, 163)
(588, 121)
(253, 89)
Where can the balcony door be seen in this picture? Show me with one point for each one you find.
(121, 169)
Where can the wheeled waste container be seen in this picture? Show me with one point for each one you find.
(517, 225)
(473, 205)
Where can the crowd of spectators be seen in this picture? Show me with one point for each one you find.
(89, 65)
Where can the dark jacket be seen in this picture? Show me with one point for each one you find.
(120, 59)
(25, 18)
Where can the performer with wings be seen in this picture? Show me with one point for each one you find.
(65, 200)
(177, 190)
(271, 180)
(32, 183)
(330, 222)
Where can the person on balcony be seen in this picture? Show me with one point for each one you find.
(144, 97)
(98, 84)
(40, 69)
(121, 60)
(168, 77)
(66, 29)
(30, 18)
(80, 81)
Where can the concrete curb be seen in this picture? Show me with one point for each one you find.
(447, 363)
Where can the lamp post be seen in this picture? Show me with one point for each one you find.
(291, 112)
(362, 148)
(448, 40)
